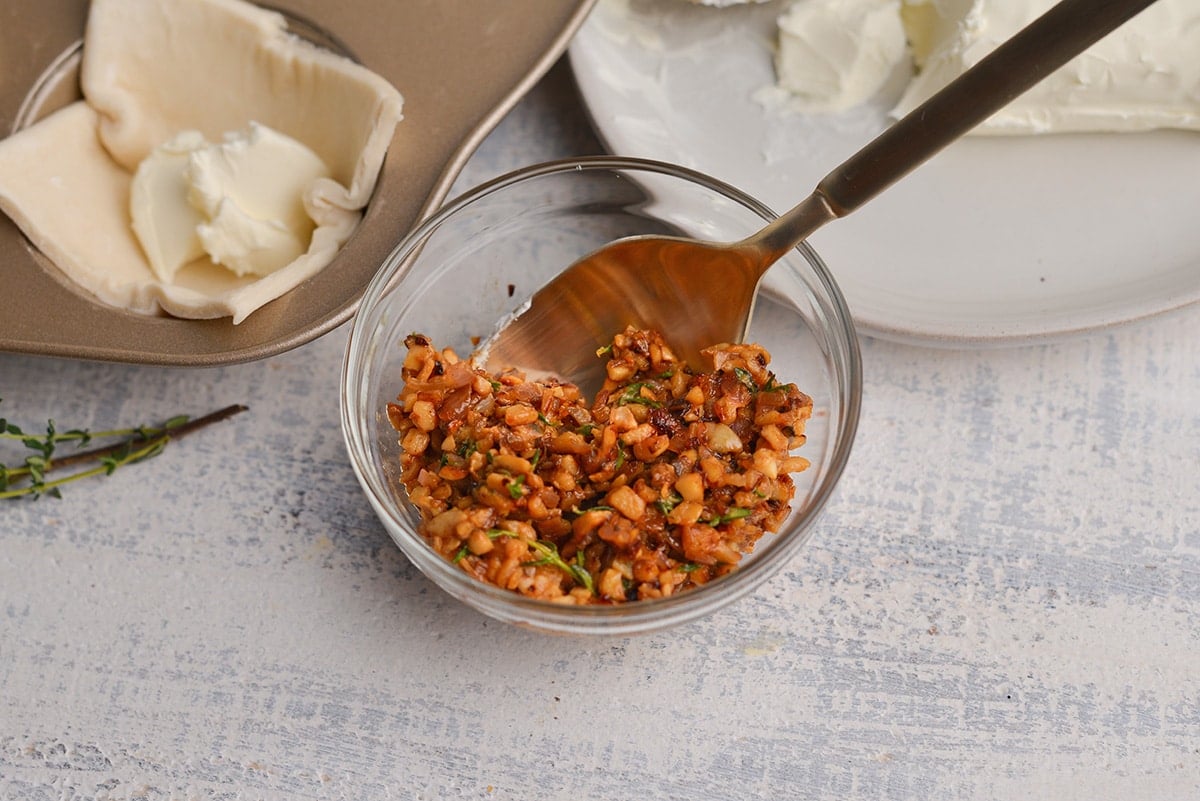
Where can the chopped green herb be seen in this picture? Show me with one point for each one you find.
(734, 513)
(514, 487)
(744, 376)
(633, 394)
(604, 351)
(575, 510)
(665, 505)
(548, 555)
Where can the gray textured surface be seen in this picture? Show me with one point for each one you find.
(1001, 601)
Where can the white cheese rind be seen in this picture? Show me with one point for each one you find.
(58, 165)
(1144, 75)
(836, 54)
(62, 190)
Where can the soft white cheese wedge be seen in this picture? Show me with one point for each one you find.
(835, 54)
(251, 189)
(248, 245)
(163, 218)
(241, 201)
(1144, 75)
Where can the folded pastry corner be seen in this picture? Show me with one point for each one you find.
(1143, 76)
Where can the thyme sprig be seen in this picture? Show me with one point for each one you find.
(29, 478)
(547, 555)
(574, 569)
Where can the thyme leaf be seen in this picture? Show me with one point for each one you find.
(665, 505)
(575, 510)
(772, 385)
(620, 456)
(734, 513)
(633, 394)
(575, 569)
(744, 376)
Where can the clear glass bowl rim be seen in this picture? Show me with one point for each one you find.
(633, 617)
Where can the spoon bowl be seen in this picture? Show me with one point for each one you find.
(703, 293)
(648, 281)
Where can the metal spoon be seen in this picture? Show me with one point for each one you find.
(702, 293)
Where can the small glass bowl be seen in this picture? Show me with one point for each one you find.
(483, 255)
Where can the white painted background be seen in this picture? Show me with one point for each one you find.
(1002, 602)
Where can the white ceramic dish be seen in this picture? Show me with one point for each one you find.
(994, 241)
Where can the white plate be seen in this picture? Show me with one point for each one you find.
(995, 240)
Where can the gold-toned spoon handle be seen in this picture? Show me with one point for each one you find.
(1037, 50)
